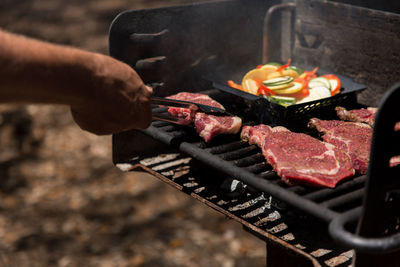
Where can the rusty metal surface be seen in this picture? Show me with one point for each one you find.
(355, 41)
(283, 230)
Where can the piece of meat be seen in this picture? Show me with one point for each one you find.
(188, 114)
(255, 135)
(366, 115)
(207, 126)
(298, 157)
(352, 137)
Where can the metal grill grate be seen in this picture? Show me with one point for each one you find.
(238, 159)
(254, 209)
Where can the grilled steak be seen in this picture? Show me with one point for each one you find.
(366, 115)
(207, 126)
(298, 157)
(352, 137)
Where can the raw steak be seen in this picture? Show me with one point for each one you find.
(298, 157)
(189, 114)
(207, 126)
(366, 115)
(352, 137)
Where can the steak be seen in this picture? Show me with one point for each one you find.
(207, 126)
(188, 114)
(298, 157)
(366, 115)
(352, 137)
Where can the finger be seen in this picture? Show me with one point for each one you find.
(149, 89)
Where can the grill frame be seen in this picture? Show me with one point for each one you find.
(122, 40)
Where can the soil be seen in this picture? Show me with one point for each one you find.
(63, 202)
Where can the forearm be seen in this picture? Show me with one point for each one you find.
(39, 72)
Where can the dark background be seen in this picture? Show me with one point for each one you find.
(63, 203)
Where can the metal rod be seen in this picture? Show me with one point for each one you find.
(267, 22)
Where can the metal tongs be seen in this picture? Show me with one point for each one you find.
(194, 107)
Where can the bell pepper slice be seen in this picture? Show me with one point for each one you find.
(263, 90)
(334, 80)
(305, 91)
(281, 68)
(308, 75)
(235, 85)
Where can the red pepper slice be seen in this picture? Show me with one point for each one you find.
(335, 90)
(311, 74)
(235, 85)
(263, 90)
(281, 68)
(259, 66)
(304, 91)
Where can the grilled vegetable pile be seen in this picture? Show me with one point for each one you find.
(287, 84)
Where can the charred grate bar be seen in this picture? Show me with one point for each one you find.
(253, 209)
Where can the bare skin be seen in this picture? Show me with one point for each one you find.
(105, 95)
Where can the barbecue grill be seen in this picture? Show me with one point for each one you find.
(199, 46)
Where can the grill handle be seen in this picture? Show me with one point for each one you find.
(268, 24)
(370, 245)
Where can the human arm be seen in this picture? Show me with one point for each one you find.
(105, 95)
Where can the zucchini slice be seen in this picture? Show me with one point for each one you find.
(319, 82)
(283, 100)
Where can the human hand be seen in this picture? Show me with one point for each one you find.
(115, 99)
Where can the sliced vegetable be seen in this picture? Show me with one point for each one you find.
(292, 71)
(308, 75)
(315, 94)
(250, 86)
(287, 85)
(265, 91)
(304, 91)
(270, 68)
(259, 74)
(284, 66)
(274, 75)
(334, 82)
(235, 85)
(296, 87)
(278, 81)
(283, 100)
(318, 82)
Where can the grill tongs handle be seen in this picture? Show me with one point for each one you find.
(194, 107)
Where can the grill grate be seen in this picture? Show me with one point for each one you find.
(252, 208)
(244, 162)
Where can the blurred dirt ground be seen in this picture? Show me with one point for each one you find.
(63, 203)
